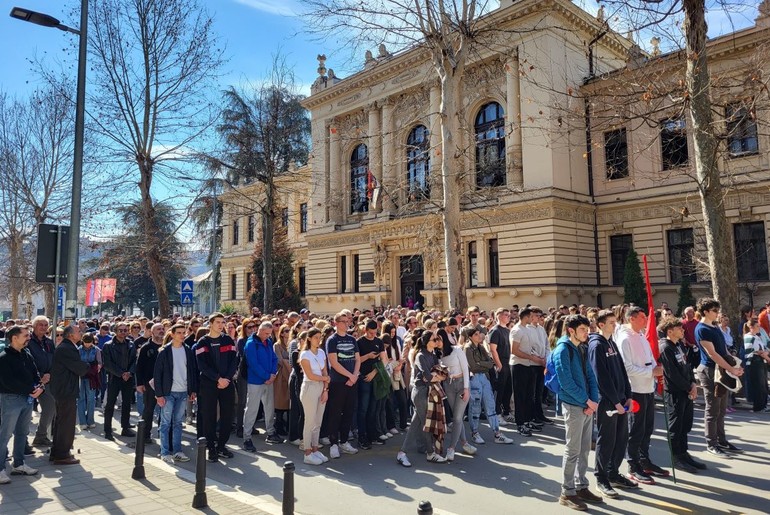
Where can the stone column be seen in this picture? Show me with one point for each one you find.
(389, 159)
(513, 142)
(375, 149)
(436, 156)
(336, 199)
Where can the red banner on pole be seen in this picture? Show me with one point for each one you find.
(652, 329)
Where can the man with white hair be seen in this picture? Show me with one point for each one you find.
(41, 347)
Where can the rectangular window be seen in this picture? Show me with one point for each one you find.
(741, 130)
(343, 274)
(673, 143)
(473, 265)
(751, 251)
(251, 226)
(303, 217)
(616, 154)
(356, 271)
(494, 264)
(620, 246)
(302, 282)
(680, 255)
(233, 285)
(236, 232)
(285, 217)
(247, 285)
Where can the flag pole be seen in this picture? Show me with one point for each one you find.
(652, 338)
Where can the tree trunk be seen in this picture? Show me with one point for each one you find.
(151, 239)
(452, 183)
(720, 255)
(50, 299)
(15, 272)
(267, 248)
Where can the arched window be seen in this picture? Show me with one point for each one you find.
(361, 184)
(418, 164)
(490, 146)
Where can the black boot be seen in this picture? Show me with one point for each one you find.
(692, 461)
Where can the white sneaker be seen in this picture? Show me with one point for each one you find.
(450, 454)
(320, 456)
(325, 440)
(383, 438)
(403, 460)
(23, 470)
(4, 479)
(469, 449)
(296, 442)
(501, 438)
(181, 457)
(435, 458)
(334, 452)
(167, 458)
(502, 422)
(477, 439)
(394, 431)
(348, 449)
(312, 459)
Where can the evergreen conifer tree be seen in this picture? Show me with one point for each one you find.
(633, 283)
(685, 296)
(285, 291)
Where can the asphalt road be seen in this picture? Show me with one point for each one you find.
(524, 476)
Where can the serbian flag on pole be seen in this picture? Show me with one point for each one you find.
(369, 184)
(652, 330)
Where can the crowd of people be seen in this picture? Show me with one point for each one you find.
(356, 379)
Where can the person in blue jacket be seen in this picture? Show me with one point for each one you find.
(261, 369)
(578, 400)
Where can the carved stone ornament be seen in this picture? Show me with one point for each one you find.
(513, 293)
(380, 258)
(537, 292)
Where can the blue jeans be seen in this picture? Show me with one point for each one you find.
(481, 392)
(367, 412)
(140, 403)
(86, 403)
(17, 413)
(172, 414)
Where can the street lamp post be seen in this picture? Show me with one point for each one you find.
(77, 169)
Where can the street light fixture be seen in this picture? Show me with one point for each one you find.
(45, 20)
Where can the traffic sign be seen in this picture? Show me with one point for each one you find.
(187, 299)
(187, 286)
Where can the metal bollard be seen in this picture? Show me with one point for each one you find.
(138, 472)
(288, 488)
(424, 508)
(200, 501)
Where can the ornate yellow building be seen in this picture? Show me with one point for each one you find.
(550, 209)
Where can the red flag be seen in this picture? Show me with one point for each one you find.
(89, 292)
(652, 330)
(108, 289)
(369, 184)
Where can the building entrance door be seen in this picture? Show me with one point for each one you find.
(412, 281)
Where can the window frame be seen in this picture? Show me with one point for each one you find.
(359, 175)
(473, 264)
(303, 217)
(618, 279)
(285, 217)
(612, 172)
(674, 249)
(302, 281)
(482, 128)
(744, 256)
(493, 251)
(236, 232)
(251, 226)
(233, 285)
(418, 163)
(667, 141)
(733, 123)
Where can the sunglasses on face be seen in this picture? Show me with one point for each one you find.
(251, 327)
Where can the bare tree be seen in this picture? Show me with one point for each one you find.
(153, 63)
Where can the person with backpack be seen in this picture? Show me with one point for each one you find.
(577, 400)
(614, 401)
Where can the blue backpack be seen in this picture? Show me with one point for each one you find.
(551, 379)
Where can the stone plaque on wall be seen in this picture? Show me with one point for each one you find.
(367, 278)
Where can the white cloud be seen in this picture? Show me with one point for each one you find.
(279, 7)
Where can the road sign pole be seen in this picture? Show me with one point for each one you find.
(56, 285)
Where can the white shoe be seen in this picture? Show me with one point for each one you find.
(403, 460)
(320, 456)
(334, 452)
(84, 427)
(312, 459)
(302, 446)
(450, 454)
(181, 457)
(477, 439)
(23, 470)
(435, 458)
(295, 442)
(502, 422)
(4, 479)
(501, 438)
(469, 449)
(348, 449)
(384, 438)
(325, 440)
(394, 431)
(167, 458)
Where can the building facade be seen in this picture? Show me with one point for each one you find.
(564, 174)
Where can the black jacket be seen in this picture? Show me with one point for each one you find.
(228, 358)
(145, 363)
(18, 373)
(609, 369)
(164, 371)
(66, 371)
(119, 357)
(42, 353)
(677, 371)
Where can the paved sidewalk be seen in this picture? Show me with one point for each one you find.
(102, 483)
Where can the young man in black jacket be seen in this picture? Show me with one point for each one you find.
(66, 371)
(614, 398)
(680, 391)
(119, 356)
(145, 368)
(217, 361)
(19, 381)
(41, 347)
